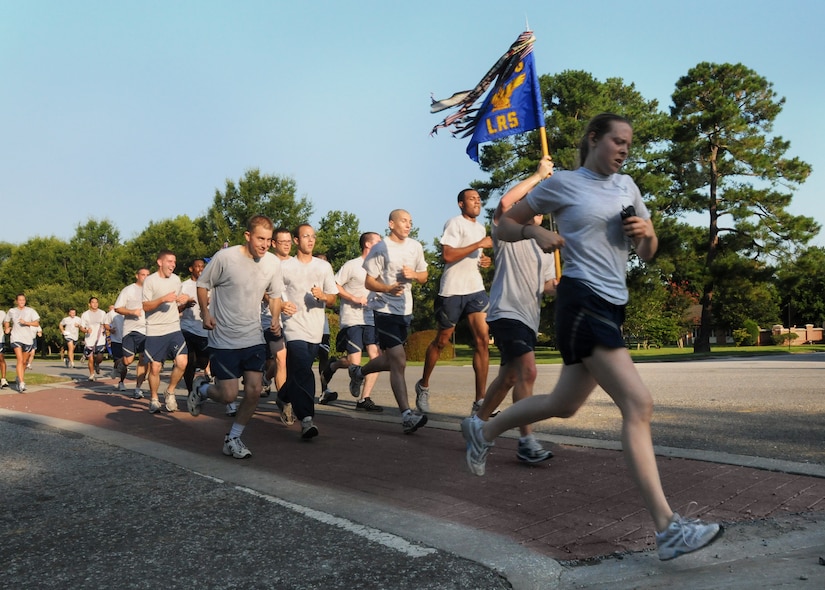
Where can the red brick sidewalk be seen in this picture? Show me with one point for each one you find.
(580, 504)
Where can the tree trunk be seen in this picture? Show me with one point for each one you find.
(702, 342)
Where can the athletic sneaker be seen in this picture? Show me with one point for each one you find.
(122, 387)
(356, 380)
(154, 406)
(308, 429)
(422, 398)
(21, 386)
(412, 422)
(368, 405)
(195, 400)
(232, 409)
(171, 402)
(477, 447)
(267, 384)
(531, 451)
(92, 377)
(285, 408)
(234, 447)
(66, 362)
(138, 394)
(3, 384)
(684, 535)
(29, 367)
(97, 368)
(328, 396)
(477, 406)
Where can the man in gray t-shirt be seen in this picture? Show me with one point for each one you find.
(229, 291)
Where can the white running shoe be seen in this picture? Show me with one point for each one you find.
(422, 398)
(477, 447)
(234, 447)
(684, 535)
(171, 401)
(195, 400)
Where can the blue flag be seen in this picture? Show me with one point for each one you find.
(513, 106)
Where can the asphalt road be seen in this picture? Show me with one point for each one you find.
(79, 513)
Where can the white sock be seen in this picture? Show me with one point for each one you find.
(236, 431)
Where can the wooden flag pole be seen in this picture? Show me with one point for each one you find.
(545, 151)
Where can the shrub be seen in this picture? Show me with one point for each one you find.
(742, 337)
(417, 344)
(783, 338)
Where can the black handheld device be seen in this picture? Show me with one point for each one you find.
(629, 211)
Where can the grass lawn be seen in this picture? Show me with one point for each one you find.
(34, 378)
(464, 354)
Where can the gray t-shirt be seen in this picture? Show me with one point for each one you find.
(165, 318)
(462, 277)
(386, 260)
(351, 277)
(307, 323)
(587, 207)
(131, 297)
(237, 283)
(522, 269)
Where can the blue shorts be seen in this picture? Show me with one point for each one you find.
(166, 347)
(450, 310)
(89, 351)
(117, 350)
(133, 344)
(392, 329)
(513, 338)
(355, 339)
(584, 321)
(232, 363)
(23, 347)
(70, 339)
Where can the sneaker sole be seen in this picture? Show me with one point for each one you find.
(533, 460)
(421, 423)
(287, 417)
(192, 403)
(234, 456)
(376, 410)
(310, 433)
(465, 432)
(708, 544)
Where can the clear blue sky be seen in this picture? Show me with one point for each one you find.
(139, 111)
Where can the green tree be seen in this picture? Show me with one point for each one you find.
(93, 254)
(337, 237)
(180, 235)
(724, 163)
(254, 194)
(801, 285)
(35, 262)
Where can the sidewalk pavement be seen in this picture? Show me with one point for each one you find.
(576, 521)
